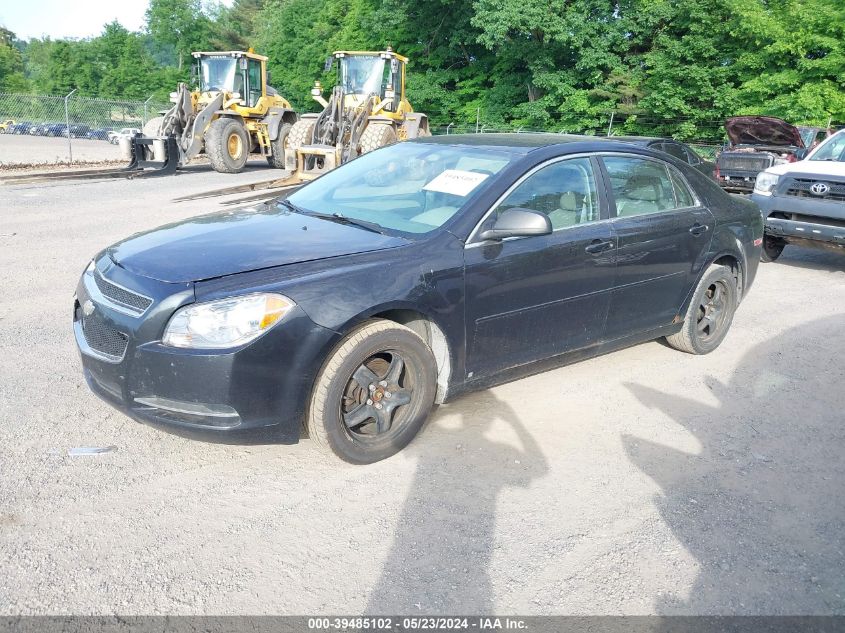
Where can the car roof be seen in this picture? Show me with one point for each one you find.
(529, 141)
(642, 140)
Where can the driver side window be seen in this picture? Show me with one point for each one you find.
(564, 190)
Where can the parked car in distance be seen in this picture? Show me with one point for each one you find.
(100, 134)
(78, 130)
(55, 129)
(4, 125)
(673, 148)
(20, 128)
(756, 143)
(412, 274)
(114, 137)
(803, 203)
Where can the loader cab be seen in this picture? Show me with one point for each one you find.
(232, 72)
(361, 74)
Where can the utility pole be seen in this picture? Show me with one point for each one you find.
(610, 127)
(67, 128)
(477, 119)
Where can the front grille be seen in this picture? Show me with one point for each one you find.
(800, 187)
(744, 162)
(103, 338)
(121, 295)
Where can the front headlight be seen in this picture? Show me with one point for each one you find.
(765, 183)
(225, 322)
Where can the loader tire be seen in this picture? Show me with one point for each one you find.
(377, 135)
(277, 159)
(227, 144)
(299, 135)
(153, 127)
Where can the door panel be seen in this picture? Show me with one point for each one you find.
(658, 245)
(533, 298)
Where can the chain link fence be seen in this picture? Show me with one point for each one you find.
(708, 140)
(77, 120)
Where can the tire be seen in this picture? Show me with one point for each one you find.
(377, 135)
(277, 160)
(300, 134)
(710, 313)
(772, 249)
(152, 127)
(227, 144)
(365, 423)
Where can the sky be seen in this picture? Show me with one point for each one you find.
(71, 18)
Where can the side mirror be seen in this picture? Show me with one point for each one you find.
(801, 154)
(518, 222)
(328, 65)
(269, 78)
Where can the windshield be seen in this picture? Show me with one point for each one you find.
(218, 74)
(362, 74)
(831, 149)
(410, 188)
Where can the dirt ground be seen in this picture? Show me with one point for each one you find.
(17, 149)
(645, 481)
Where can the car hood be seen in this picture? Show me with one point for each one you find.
(239, 241)
(810, 167)
(762, 130)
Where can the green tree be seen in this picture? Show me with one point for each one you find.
(11, 63)
(178, 24)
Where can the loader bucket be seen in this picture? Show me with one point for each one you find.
(153, 153)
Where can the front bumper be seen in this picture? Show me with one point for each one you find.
(265, 383)
(793, 218)
(740, 183)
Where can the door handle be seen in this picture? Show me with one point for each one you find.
(698, 229)
(598, 246)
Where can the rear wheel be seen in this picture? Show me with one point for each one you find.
(277, 158)
(152, 127)
(300, 134)
(374, 393)
(227, 145)
(710, 313)
(772, 248)
(377, 135)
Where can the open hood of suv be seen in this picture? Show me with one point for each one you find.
(762, 130)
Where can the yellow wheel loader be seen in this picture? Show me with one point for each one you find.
(232, 113)
(367, 109)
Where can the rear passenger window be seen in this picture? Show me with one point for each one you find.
(640, 186)
(682, 192)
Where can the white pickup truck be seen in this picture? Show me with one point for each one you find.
(803, 202)
(114, 137)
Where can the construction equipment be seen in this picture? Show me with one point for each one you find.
(232, 113)
(367, 109)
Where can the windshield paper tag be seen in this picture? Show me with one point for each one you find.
(456, 181)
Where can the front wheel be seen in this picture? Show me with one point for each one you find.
(374, 393)
(377, 135)
(277, 148)
(772, 249)
(710, 313)
(227, 145)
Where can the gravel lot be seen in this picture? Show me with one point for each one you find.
(23, 149)
(645, 481)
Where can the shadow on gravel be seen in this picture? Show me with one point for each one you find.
(761, 505)
(444, 539)
(812, 259)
